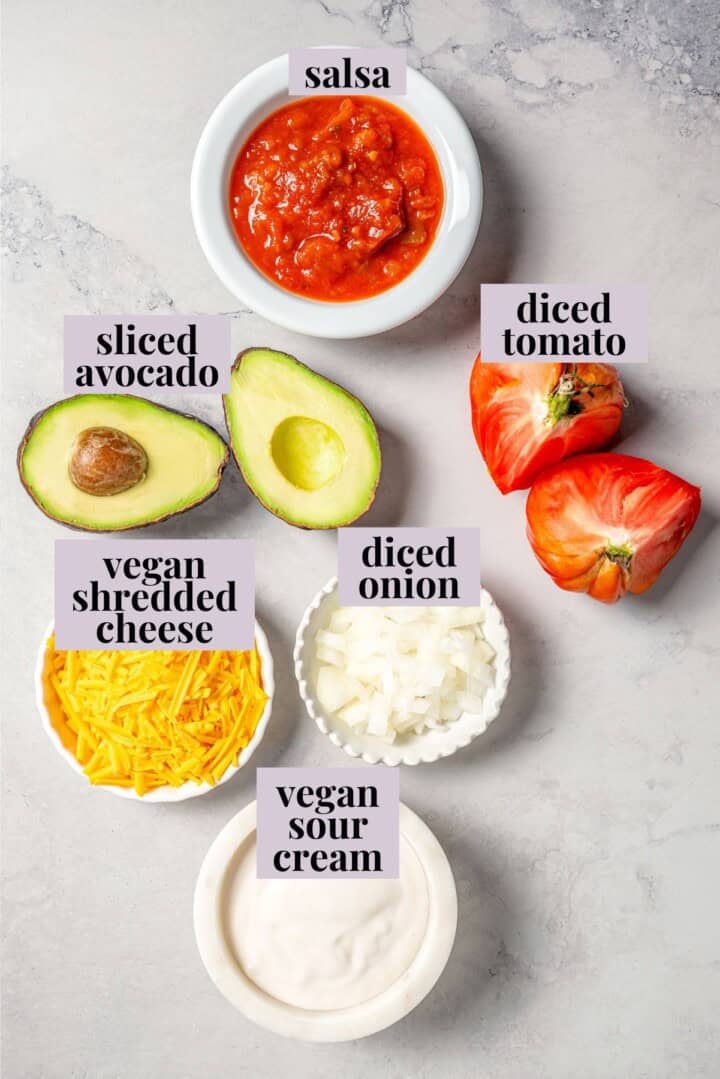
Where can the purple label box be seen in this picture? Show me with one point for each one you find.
(177, 595)
(328, 822)
(567, 323)
(330, 70)
(135, 353)
(409, 567)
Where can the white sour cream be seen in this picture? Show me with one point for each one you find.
(325, 944)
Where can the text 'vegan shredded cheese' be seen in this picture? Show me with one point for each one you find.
(154, 719)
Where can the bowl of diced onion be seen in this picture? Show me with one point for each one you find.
(401, 685)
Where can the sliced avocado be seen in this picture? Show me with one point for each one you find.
(307, 448)
(105, 462)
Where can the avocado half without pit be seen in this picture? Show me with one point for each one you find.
(109, 462)
(308, 449)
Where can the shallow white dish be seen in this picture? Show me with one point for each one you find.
(162, 794)
(257, 95)
(344, 1024)
(424, 748)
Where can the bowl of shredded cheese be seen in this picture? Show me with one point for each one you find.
(158, 726)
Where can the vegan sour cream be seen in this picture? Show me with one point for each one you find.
(324, 944)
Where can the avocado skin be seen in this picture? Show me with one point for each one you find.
(122, 528)
(304, 528)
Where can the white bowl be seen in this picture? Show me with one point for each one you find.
(424, 748)
(257, 95)
(161, 794)
(344, 1024)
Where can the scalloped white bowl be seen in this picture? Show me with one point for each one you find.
(424, 748)
(162, 794)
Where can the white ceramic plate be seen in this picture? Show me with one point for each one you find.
(162, 794)
(234, 120)
(344, 1024)
(424, 748)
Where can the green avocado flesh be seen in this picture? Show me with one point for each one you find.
(185, 459)
(307, 448)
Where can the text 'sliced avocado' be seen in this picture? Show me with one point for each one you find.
(126, 353)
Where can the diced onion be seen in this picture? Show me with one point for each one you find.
(388, 671)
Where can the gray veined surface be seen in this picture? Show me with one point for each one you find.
(583, 832)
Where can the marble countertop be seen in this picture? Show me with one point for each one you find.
(584, 830)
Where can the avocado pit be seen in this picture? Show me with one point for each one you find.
(105, 461)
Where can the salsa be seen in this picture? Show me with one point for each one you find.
(336, 198)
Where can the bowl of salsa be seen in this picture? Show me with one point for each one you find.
(335, 215)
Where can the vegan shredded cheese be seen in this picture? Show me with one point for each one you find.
(154, 719)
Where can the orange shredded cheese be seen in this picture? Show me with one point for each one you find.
(153, 719)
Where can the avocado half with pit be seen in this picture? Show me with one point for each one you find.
(308, 449)
(107, 462)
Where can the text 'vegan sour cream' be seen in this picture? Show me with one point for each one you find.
(322, 943)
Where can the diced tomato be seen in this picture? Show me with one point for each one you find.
(527, 416)
(607, 524)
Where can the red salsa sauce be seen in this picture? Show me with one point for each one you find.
(336, 198)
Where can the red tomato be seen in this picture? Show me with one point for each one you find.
(607, 524)
(527, 416)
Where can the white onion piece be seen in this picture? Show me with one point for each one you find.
(388, 671)
(331, 656)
